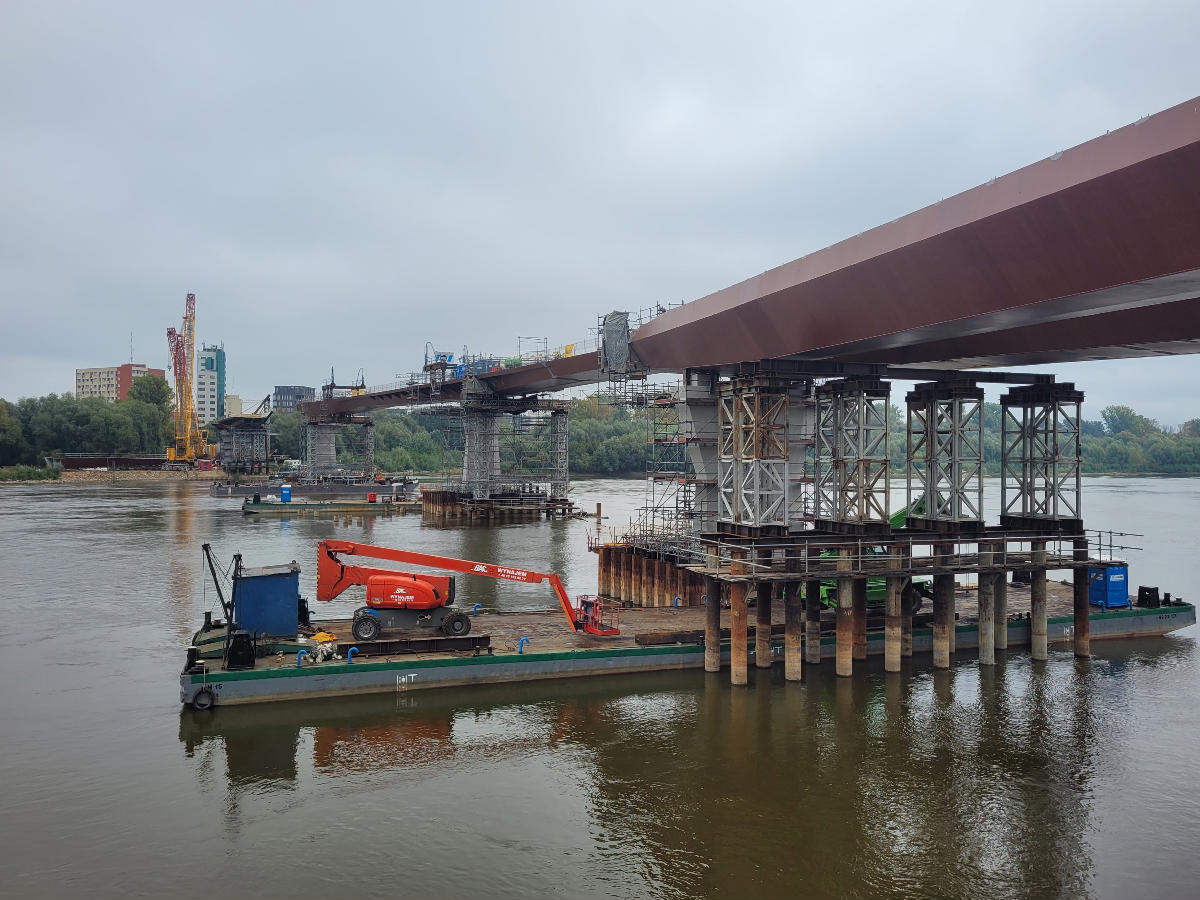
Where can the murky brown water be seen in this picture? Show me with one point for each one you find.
(1060, 779)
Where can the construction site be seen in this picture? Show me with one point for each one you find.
(770, 480)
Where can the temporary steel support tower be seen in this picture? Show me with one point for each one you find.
(1040, 457)
(852, 453)
(945, 453)
(752, 452)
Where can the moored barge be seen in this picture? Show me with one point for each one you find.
(534, 645)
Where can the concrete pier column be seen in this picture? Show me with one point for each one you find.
(943, 609)
(987, 608)
(793, 638)
(812, 624)
(1083, 625)
(712, 625)
(739, 648)
(762, 624)
(627, 575)
(1037, 602)
(845, 615)
(892, 624)
(860, 618)
(1000, 605)
(602, 555)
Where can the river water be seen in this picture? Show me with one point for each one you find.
(1068, 778)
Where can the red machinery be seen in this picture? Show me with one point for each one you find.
(408, 599)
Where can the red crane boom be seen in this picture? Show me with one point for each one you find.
(334, 576)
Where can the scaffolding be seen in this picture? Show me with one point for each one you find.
(343, 446)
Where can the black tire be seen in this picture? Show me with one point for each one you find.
(456, 625)
(204, 699)
(365, 628)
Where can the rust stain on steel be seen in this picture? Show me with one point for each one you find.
(1034, 246)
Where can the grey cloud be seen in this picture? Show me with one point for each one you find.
(341, 184)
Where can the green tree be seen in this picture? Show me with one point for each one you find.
(13, 448)
(152, 389)
(1118, 419)
(1190, 428)
(285, 433)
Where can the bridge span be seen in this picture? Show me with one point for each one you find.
(774, 454)
(1092, 253)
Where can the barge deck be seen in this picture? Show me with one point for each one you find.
(652, 639)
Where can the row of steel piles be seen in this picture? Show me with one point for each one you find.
(643, 578)
(802, 613)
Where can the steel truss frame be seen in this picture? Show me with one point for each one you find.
(1041, 453)
(945, 452)
(752, 452)
(853, 462)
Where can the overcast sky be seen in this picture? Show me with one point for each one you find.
(341, 183)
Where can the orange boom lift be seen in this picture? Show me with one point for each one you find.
(411, 600)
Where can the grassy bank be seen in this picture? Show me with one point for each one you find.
(28, 473)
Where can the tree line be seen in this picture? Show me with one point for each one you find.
(605, 439)
(37, 427)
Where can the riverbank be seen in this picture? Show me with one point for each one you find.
(99, 476)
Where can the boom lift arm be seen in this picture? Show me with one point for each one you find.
(334, 576)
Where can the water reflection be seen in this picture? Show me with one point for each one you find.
(955, 782)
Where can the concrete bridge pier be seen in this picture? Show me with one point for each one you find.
(1037, 602)
(739, 650)
(987, 608)
(762, 624)
(712, 625)
(860, 619)
(603, 562)
(1000, 607)
(793, 638)
(907, 605)
(943, 608)
(892, 626)
(1083, 626)
(812, 623)
(845, 616)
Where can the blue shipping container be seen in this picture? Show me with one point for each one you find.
(267, 601)
(1109, 588)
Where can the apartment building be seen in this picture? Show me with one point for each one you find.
(111, 383)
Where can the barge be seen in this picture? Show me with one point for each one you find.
(535, 645)
(396, 485)
(371, 505)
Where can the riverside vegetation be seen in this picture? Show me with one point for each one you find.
(605, 439)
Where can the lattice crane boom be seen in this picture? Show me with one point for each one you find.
(190, 443)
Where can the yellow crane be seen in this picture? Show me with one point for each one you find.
(190, 443)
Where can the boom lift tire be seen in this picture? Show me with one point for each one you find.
(456, 625)
(365, 628)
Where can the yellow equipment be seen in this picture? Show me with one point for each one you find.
(190, 443)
